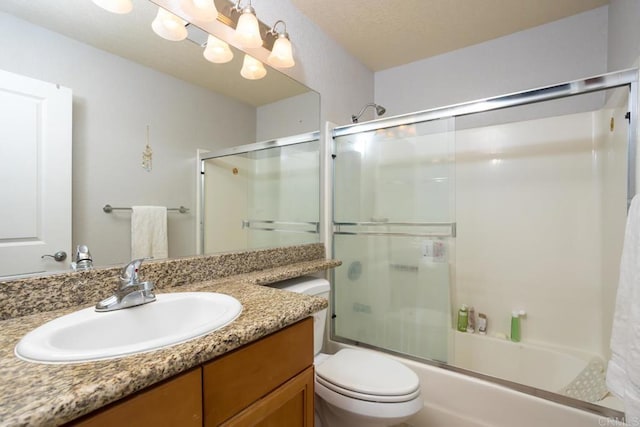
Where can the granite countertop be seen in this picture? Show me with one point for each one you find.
(49, 395)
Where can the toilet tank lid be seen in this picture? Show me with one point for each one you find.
(307, 285)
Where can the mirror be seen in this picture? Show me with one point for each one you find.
(131, 87)
(271, 194)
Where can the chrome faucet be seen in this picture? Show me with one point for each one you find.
(131, 291)
(82, 260)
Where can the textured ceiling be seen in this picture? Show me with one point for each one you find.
(380, 33)
(388, 33)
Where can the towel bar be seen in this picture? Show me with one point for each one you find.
(109, 209)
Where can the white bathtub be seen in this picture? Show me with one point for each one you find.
(454, 399)
(537, 366)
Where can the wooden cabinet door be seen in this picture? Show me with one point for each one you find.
(236, 380)
(290, 405)
(175, 402)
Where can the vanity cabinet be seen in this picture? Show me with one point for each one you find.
(280, 364)
(268, 383)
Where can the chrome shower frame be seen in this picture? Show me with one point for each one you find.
(624, 78)
(600, 82)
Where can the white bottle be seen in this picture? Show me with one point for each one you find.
(471, 323)
(482, 324)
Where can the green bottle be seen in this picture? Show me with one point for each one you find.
(515, 325)
(463, 318)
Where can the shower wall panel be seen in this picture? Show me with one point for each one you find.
(530, 226)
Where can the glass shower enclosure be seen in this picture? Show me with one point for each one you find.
(514, 203)
(394, 225)
(260, 195)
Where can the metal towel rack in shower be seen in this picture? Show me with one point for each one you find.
(399, 229)
(283, 226)
(109, 209)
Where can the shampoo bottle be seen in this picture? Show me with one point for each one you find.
(515, 325)
(463, 318)
(471, 323)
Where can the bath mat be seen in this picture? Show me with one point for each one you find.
(590, 384)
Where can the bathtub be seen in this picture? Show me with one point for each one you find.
(538, 366)
(454, 399)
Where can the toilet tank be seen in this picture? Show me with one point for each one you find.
(314, 286)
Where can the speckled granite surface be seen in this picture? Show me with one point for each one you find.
(33, 295)
(34, 394)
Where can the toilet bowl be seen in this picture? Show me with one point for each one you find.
(356, 388)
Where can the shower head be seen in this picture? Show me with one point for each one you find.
(380, 110)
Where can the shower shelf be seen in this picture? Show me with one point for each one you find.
(432, 229)
(269, 225)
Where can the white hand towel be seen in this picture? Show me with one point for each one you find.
(623, 372)
(149, 232)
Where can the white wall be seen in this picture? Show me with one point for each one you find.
(344, 84)
(624, 34)
(114, 100)
(291, 116)
(567, 49)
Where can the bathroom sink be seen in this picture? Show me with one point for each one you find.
(87, 335)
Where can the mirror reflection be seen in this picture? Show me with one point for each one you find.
(142, 107)
(270, 196)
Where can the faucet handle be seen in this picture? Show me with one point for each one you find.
(129, 274)
(83, 253)
(82, 259)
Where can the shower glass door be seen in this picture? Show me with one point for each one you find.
(394, 229)
(260, 195)
(533, 223)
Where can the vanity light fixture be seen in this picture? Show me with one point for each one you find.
(252, 69)
(247, 33)
(217, 51)
(169, 26)
(281, 55)
(199, 10)
(115, 6)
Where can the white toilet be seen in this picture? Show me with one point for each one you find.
(356, 388)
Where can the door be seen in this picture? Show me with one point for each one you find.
(394, 229)
(35, 174)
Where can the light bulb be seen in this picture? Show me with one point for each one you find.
(115, 6)
(169, 26)
(217, 51)
(281, 55)
(199, 10)
(252, 69)
(247, 33)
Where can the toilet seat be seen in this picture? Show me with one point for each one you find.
(367, 376)
(367, 397)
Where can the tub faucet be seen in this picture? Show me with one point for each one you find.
(131, 291)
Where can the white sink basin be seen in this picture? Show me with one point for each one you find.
(86, 335)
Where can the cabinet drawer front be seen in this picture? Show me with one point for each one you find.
(175, 402)
(236, 380)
